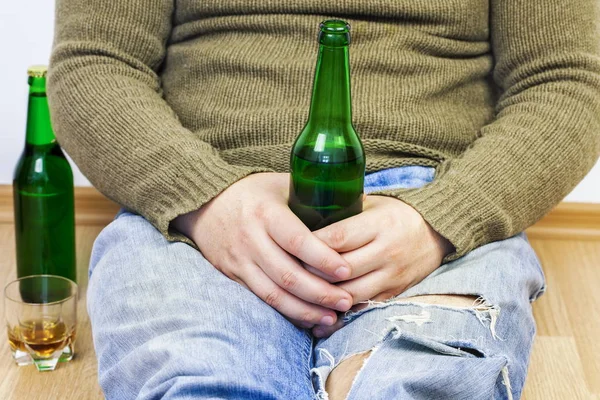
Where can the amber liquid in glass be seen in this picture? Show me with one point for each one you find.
(43, 337)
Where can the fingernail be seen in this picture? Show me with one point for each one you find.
(342, 272)
(327, 320)
(343, 305)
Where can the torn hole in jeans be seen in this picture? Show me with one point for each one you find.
(406, 313)
(421, 314)
(486, 312)
(448, 347)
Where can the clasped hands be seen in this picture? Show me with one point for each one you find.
(249, 234)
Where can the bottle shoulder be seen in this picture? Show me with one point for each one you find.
(43, 170)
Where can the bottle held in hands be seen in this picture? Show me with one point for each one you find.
(328, 160)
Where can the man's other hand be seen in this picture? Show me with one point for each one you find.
(389, 248)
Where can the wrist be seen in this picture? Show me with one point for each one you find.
(444, 246)
(185, 223)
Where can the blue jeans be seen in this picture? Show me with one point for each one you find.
(167, 324)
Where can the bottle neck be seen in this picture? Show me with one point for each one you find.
(39, 129)
(331, 105)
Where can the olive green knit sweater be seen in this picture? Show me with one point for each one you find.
(163, 104)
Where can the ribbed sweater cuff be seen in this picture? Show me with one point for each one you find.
(458, 212)
(184, 187)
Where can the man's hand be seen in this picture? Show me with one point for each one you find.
(389, 248)
(249, 234)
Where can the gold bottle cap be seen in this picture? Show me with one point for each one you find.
(37, 71)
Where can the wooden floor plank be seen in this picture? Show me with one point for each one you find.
(555, 371)
(550, 310)
(570, 306)
(576, 265)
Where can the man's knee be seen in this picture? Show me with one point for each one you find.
(339, 382)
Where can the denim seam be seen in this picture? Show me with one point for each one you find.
(308, 355)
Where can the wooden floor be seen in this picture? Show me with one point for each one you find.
(565, 362)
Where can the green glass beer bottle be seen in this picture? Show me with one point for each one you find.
(328, 160)
(43, 194)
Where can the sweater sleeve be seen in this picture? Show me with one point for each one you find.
(109, 114)
(546, 132)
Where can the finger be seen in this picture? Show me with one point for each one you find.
(285, 303)
(320, 274)
(350, 233)
(326, 331)
(295, 238)
(371, 285)
(381, 297)
(301, 324)
(365, 259)
(286, 272)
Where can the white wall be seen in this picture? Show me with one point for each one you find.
(588, 191)
(26, 29)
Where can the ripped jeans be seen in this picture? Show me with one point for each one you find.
(167, 324)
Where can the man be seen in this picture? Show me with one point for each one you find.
(477, 118)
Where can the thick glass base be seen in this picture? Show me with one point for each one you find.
(23, 358)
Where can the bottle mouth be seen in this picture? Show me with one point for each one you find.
(334, 26)
(334, 33)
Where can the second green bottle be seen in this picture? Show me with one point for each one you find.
(43, 194)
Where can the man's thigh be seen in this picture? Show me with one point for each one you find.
(167, 324)
(416, 349)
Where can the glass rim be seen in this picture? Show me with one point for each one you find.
(72, 283)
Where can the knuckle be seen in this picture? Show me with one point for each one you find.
(307, 317)
(295, 243)
(245, 235)
(274, 298)
(324, 264)
(289, 280)
(400, 276)
(338, 237)
(396, 274)
(324, 300)
(229, 250)
(260, 212)
(229, 274)
(391, 258)
(353, 294)
(394, 252)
